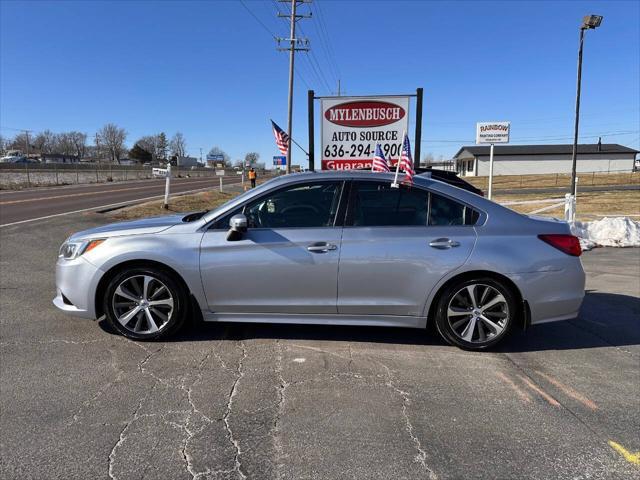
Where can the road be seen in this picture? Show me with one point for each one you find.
(225, 401)
(35, 203)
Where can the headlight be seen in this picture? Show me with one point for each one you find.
(71, 250)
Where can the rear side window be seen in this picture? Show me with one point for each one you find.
(444, 211)
(377, 204)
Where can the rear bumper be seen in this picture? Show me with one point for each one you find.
(552, 295)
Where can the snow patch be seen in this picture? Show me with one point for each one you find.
(608, 232)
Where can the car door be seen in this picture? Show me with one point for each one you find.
(397, 243)
(286, 262)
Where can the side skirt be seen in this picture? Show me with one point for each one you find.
(318, 319)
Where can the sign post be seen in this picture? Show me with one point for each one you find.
(492, 133)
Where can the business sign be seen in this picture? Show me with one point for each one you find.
(279, 160)
(492, 132)
(215, 158)
(351, 127)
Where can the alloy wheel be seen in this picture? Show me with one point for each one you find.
(478, 313)
(143, 304)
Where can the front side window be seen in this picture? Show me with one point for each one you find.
(305, 205)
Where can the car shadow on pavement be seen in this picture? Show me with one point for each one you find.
(605, 319)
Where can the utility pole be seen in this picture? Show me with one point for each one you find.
(295, 44)
(27, 132)
(338, 87)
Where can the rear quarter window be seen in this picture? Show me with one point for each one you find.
(444, 211)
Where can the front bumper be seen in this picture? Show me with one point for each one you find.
(76, 282)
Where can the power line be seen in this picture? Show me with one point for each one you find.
(273, 35)
(323, 29)
(295, 45)
(311, 57)
(543, 139)
(267, 29)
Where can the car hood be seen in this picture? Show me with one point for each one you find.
(134, 227)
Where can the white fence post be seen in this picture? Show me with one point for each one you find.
(167, 185)
(220, 184)
(569, 208)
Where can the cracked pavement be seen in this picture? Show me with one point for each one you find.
(224, 401)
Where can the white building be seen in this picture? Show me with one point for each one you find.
(536, 159)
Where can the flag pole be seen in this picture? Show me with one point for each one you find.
(395, 180)
(374, 156)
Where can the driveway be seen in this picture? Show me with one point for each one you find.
(294, 402)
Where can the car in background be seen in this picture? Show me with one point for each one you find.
(13, 156)
(446, 176)
(340, 248)
(450, 177)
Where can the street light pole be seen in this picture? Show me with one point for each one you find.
(574, 152)
(589, 22)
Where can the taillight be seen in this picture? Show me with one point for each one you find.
(565, 243)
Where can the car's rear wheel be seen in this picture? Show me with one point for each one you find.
(476, 314)
(145, 303)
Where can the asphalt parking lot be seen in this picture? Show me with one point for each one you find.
(298, 402)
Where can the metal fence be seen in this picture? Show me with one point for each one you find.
(551, 180)
(33, 174)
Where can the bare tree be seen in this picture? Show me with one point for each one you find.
(251, 158)
(79, 141)
(44, 142)
(3, 145)
(218, 151)
(178, 145)
(19, 142)
(113, 138)
(63, 144)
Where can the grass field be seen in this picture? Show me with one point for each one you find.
(589, 205)
(505, 182)
(177, 204)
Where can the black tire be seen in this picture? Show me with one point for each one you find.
(483, 336)
(173, 291)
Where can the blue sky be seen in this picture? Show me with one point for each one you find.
(211, 70)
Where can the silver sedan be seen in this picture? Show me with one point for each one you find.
(340, 248)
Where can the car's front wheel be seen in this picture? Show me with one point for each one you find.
(145, 303)
(476, 314)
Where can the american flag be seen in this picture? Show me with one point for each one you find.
(406, 162)
(379, 162)
(282, 139)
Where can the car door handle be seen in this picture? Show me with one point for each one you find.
(321, 247)
(443, 243)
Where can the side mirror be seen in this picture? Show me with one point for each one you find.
(237, 226)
